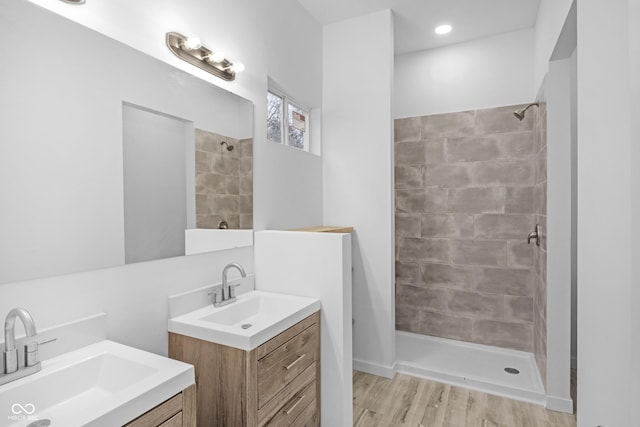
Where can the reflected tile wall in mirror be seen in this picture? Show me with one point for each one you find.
(224, 181)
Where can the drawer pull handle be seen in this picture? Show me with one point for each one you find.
(295, 361)
(290, 410)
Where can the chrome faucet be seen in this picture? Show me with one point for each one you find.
(226, 294)
(12, 370)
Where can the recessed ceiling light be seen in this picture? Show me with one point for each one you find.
(443, 29)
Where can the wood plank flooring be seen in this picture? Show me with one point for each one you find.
(415, 402)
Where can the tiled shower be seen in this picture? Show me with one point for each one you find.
(224, 181)
(469, 187)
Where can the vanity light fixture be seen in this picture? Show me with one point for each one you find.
(443, 29)
(74, 1)
(190, 49)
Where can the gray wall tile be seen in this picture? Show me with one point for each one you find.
(507, 174)
(519, 200)
(475, 179)
(476, 200)
(204, 162)
(245, 148)
(434, 151)
(473, 148)
(517, 145)
(433, 250)
(232, 185)
(407, 319)
(478, 252)
(505, 281)
(408, 225)
(503, 226)
(473, 304)
(450, 276)
(408, 273)
(520, 254)
(447, 125)
(501, 119)
(409, 176)
(423, 298)
(446, 326)
(246, 184)
(406, 129)
(518, 309)
(518, 336)
(225, 204)
(225, 165)
(421, 200)
(447, 225)
(419, 152)
(246, 204)
(246, 221)
(410, 153)
(448, 175)
(209, 183)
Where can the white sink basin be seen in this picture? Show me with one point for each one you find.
(253, 319)
(104, 384)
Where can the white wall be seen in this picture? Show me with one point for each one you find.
(358, 172)
(552, 15)
(559, 215)
(634, 72)
(605, 185)
(484, 73)
(317, 265)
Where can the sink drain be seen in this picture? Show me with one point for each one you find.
(246, 326)
(40, 423)
(513, 371)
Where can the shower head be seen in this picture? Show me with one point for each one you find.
(521, 112)
(229, 147)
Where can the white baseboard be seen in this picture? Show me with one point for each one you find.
(559, 404)
(374, 368)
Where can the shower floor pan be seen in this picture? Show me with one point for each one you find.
(474, 366)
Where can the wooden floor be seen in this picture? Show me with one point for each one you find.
(410, 401)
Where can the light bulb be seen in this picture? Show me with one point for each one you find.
(193, 43)
(217, 57)
(443, 29)
(238, 67)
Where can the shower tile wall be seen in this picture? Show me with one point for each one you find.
(224, 181)
(464, 191)
(540, 253)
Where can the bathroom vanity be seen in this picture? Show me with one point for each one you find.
(276, 383)
(178, 411)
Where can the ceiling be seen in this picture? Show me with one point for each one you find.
(415, 20)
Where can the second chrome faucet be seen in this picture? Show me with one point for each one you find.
(225, 293)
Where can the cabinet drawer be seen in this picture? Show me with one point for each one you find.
(295, 407)
(287, 396)
(286, 362)
(175, 421)
(309, 416)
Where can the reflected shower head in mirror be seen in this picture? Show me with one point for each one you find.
(521, 112)
(229, 146)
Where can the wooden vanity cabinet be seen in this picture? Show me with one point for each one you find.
(177, 411)
(276, 384)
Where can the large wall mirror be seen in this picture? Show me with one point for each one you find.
(108, 155)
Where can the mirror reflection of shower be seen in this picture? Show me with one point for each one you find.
(229, 146)
(521, 112)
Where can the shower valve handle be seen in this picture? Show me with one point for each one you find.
(535, 234)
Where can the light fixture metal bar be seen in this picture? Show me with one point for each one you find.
(176, 43)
